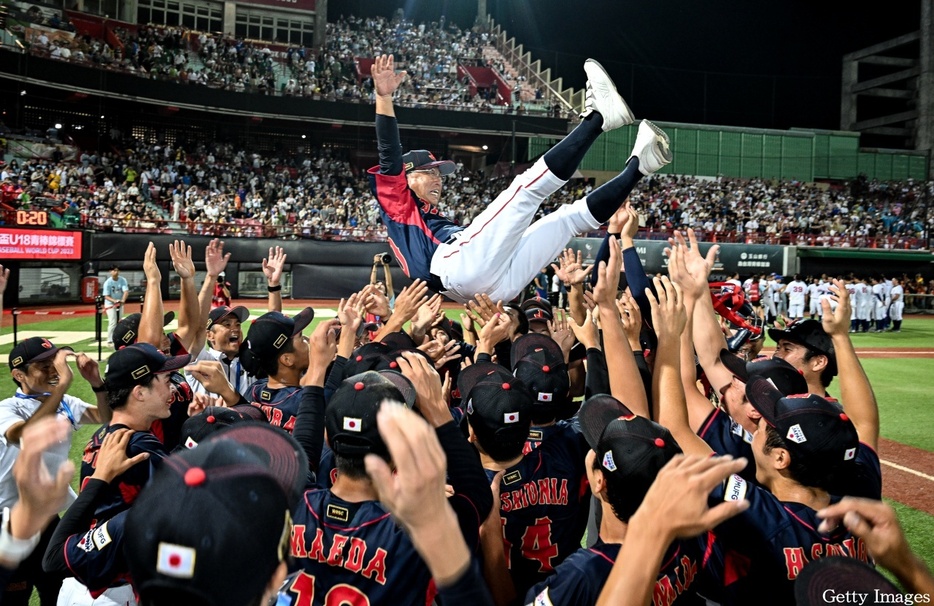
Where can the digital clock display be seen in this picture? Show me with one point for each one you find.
(32, 217)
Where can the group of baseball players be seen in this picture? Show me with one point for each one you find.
(393, 456)
(878, 302)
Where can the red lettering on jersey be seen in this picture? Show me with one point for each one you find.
(128, 492)
(537, 545)
(546, 496)
(836, 550)
(861, 552)
(317, 547)
(354, 561)
(817, 550)
(664, 594)
(336, 555)
(531, 491)
(563, 495)
(298, 542)
(505, 502)
(688, 572)
(376, 569)
(290, 424)
(794, 561)
(850, 547)
(274, 415)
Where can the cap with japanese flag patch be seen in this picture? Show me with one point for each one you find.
(817, 432)
(630, 450)
(498, 406)
(213, 512)
(198, 427)
(537, 360)
(350, 417)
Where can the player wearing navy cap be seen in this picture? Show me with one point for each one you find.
(543, 500)
(502, 249)
(276, 351)
(625, 454)
(345, 541)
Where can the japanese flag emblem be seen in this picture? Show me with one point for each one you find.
(353, 424)
(176, 561)
(511, 417)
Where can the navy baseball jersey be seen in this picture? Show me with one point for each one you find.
(727, 437)
(767, 546)
(126, 487)
(561, 430)
(279, 405)
(686, 566)
(544, 502)
(415, 228)
(355, 553)
(96, 557)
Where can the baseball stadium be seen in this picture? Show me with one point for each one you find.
(589, 262)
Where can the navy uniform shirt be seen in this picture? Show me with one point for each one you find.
(279, 405)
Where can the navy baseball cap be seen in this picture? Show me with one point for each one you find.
(630, 450)
(811, 334)
(33, 349)
(816, 431)
(218, 314)
(422, 159)
(126, 332)
(270, 332)
(236, 491)
(197, 428)
(537, 360)
(350, 416)
(842, 574)
(498, 405)
(370, 356)
(135, 364)
(537, 310)
(785, 377)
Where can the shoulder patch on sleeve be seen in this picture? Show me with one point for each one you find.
(543, 599)
(101, 536)
(735, 489)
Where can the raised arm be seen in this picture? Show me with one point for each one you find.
(189, 312)
(151, 324)
(272, 269)
(669, 318)
(215, 261)
(856, 393)
(625, 380)
(385, 83)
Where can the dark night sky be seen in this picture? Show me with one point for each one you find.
(771, 65)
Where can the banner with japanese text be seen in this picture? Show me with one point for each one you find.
(39, 244)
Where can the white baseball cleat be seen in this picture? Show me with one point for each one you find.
(653, 148)
(601, 96)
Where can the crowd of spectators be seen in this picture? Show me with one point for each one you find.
(218, 189)
(429, 52)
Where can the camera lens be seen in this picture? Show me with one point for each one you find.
(386, 258)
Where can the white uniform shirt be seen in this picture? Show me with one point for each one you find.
(796, 291)
(18, 409)
(236, 374)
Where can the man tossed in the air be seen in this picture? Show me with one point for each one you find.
(502, 250)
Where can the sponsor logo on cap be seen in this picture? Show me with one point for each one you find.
(735, 489)
(176, 560)
(353, 424)
(17, 360)
(512, 477)
(409, 166)
(280, 341)
(128, 336)
(341, 514)
(796, 434)
(142, 371)
(849, 454)
(608, 461)
(545, 397)
(101, 536)
(535, 434)
(46, 344)
(510, 417)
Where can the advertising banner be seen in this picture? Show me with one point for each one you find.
(40, 244)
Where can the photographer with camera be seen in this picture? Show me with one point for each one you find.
(384, 286)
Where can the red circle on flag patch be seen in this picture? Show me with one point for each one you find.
(175, 560)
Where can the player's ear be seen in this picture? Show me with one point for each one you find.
(597, 482)
(18, 375)
(818, 363)
(781, 458)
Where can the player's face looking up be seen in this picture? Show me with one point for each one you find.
(738, 406)
(426, 184)
(796, 355)
(225, 336)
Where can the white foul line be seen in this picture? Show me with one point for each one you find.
(908, 469)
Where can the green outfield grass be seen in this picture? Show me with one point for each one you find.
(902, 386)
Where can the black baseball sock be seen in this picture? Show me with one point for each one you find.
(606, 199)
(564, 158)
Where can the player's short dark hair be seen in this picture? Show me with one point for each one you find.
(500, 448)
(269, 366)
(117, 398)
(623, 499)
(826, 375)
(814, 476)
(350, 467)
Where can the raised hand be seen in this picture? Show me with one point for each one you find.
(571, 269)
(631, 317)
(4, 278)
(837, 321)
(692, 269)
(604, 292)
(562, 333)
(375, 301)
(273, 264)
(89, 369)
(482, 308)
(214, 258)
(150, 268)
(587, 332)
(180, 254)
(668, 314)
(385, 79)
(410, 299)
